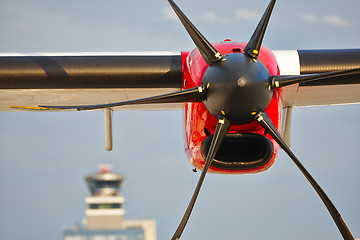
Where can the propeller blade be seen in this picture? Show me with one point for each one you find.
(269, 127)
(208, 51)
(222, 128)
(253, 46)
(195, 94)
(282, 81)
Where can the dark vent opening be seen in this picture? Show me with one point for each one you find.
(240, 151)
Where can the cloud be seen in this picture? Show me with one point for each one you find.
(336, 21)
(212, 17)
(307, 17)
(332, 20)
(169, 14)
(247, 14)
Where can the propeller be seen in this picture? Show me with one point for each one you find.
(254, 44)
(235, 89)
(269, 127)
(282, 81)
(222, 127)
(207, 50)
(195, 94)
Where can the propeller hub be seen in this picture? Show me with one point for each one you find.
(237, 86)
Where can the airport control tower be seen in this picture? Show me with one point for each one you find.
(105, 206)
(105, 213)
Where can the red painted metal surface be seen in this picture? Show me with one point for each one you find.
(197, 117)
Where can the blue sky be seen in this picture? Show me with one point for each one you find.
(44, 157)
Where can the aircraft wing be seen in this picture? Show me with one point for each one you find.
(338, 90)
(95, 78)
(87, 78)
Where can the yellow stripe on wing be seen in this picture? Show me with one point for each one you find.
(34, 108)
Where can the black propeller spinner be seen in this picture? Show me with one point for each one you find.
(236, 88)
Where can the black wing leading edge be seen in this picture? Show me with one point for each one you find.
(91, 71)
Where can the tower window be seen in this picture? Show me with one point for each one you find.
(104, 205)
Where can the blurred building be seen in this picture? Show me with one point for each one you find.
(105, 213)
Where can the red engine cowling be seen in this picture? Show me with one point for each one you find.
(246, 148)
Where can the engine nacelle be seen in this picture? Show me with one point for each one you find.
(246, 148)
